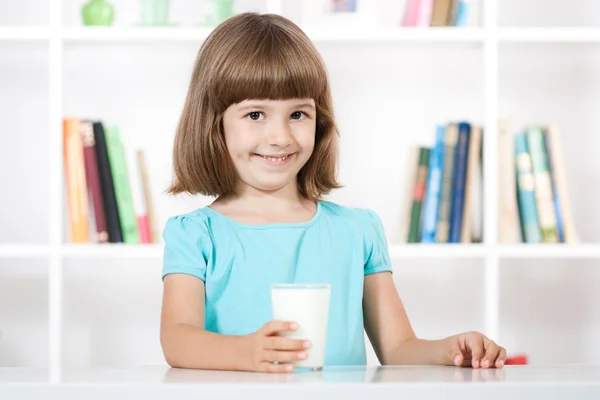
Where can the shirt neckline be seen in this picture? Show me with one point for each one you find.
(308, 223)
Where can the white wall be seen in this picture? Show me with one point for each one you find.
(387, 97)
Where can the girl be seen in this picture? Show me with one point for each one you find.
(258, 133)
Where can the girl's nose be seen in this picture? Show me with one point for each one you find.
(280, 135)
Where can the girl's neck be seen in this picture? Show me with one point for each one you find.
(251, 205)
(250, 198)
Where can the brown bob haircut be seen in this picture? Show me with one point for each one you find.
(251, 56)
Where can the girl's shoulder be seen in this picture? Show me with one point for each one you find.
(192, 224)
(363, 218)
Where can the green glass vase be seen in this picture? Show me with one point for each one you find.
(97, 13)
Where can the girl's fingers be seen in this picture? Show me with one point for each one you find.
(283, 356)
(491, 353)
(283, 343)
(475, 345)
(276, 368)
(501, 358)
(274, 327)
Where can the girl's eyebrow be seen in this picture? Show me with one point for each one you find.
(304, 105)
(250, 106)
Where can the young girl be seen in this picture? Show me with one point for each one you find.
(258, 133)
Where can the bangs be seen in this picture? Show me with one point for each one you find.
(269, 64)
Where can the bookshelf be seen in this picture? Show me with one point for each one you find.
(480, 59)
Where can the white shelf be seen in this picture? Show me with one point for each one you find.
(397, 251)
(126, 34)
(116, 34)
(110, 250)
(366, 34)
(549, 35)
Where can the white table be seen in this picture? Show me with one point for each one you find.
(404, 382)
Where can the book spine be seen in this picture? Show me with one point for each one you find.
(141, 161)
(526, 192)
(137, 195)
(76, 185)
(459, 179)
(462, 13)
(93, 179)
(118, 168)
(560, 177)
(434, 186)
(508, 216)
(443, 224)
(543, 185)
(414, 233)
(111, 211)
(472, 167)
(441, 10)
(557, 203)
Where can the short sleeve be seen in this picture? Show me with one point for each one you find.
(378, 258)
(186, 243)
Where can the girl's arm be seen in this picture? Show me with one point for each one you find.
(395, 342)
(186, 344)
(184, 341)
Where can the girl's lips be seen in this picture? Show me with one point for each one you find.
(274, 160)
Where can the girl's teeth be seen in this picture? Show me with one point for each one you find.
(276, 158)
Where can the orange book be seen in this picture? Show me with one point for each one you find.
(76, 185)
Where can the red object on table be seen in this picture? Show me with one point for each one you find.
(520, 359)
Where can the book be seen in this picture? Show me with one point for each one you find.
(412, 165)
(458, 181)
(414, 233)
(138, 198)
(543, 186)
(434, 187)
(75, 181)
(118, 168)
(143, 168)
(474, 157)
(509, 230)
(441, 12)
(92, 176)
(442, 231)
(559, 179)
(109, 199)
(530, 228)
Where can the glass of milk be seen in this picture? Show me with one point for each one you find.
(308, 306)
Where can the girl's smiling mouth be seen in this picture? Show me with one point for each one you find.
(274, 159)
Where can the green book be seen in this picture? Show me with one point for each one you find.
(544, 196)
(414, 232)
(118, 168)
(442, 231)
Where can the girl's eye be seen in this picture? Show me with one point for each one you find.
(255, 115)
(298, 115)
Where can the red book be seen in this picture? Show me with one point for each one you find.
(93, 178)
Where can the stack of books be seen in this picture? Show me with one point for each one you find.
(424, 13)
(108, 191)
(444, 195)
(534, 204)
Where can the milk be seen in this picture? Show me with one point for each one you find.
(307, 305)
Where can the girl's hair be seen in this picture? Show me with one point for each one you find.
(251, 56)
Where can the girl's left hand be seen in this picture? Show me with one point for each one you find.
(476, 350)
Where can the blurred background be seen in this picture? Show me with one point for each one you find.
(470, 126)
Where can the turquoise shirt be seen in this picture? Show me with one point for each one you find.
(238, 263)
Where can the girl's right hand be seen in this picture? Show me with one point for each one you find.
(264, 347)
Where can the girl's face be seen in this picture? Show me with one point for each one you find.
(270, 140)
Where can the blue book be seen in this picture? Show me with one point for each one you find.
(459, 179)
(530, 226)
(462, 13)
(434, 187)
